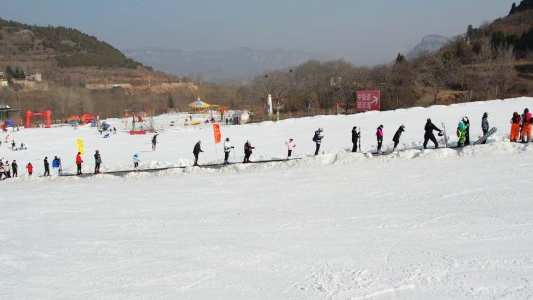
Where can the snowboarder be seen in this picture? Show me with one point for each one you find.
(46, 167)
(317, 138)
(14, 166)
(397, 135)
(355, 138)
(290, 146)
(29, 167)
(55, 165)
(526, 126)
(247, 151)
(136, 161)
(379, 136)
(196, 151)
(429, 133)
(484, 125)
(466, 121)
(97, 162)
(227, 150)
(461, 133)
(154, 141)
(515, 127)
(78, 163)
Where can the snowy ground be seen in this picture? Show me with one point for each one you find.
(414, 225)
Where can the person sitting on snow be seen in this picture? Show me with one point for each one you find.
(106, 135)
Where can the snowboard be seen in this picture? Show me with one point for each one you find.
(484, 138)
(445, 135)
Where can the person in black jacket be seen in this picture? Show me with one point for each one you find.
(247, 151)
(355, 138)
(14, 166)
(46, 167)
(97, 162)
(396, 138)
(429, 133)
(196, 151)
(154, 141)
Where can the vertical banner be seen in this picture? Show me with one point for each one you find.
(216, 131)
(80, 147)
(367, 100)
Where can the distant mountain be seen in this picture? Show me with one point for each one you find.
(430, 43)
(217, 65)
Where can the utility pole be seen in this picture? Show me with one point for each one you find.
(290, 90)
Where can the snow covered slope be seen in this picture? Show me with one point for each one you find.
(420, 224)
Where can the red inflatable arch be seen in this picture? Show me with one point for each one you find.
(46, 114)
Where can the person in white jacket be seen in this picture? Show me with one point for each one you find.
(227, 150)
(136, 161)
(290, 146)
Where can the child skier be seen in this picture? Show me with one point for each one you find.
(355, 138)
(196, 151)
(14, 166)
(396, 138)
(379, 136)
(29, 167)
(154, 141)
(227, 150)
(55, 165)
(290, 146)
(136, 161)
(317, 138)
(515, 127)
(78, 163)
(97, 162)
(526, 126)
(247, 151)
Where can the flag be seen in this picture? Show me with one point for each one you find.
(80, 147)
(216, 131)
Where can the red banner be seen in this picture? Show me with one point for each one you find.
(367, 100)
(216, 131)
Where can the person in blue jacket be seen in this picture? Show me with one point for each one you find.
(55, 165)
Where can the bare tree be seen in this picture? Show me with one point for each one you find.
(436, 72)
(504, 71)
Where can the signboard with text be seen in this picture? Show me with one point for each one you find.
(367, 100)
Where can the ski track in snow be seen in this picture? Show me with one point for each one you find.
(417, 224)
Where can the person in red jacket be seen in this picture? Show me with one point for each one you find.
(78, 163)
(29, 167)
(526, 126)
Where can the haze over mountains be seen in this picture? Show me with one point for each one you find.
(242, 62)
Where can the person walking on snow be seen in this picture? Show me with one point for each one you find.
(467, 131)
(29, 167)
(526, 126)
(227, 150)
(397, 135)
(379, 136)
(515, 127)
(55, 165)
(247, 151)
(97, 162)
(355, 138)
(290, 146)
(196, 151)
(136, 161)
(484, 125)
(15, 167)
(461, 133)
(317, 138)
(78, 163)
(428, 135)
(154, 141)
(46, 167)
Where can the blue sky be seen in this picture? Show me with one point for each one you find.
(365, 32)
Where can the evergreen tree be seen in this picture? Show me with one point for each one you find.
(400, 58)
(171, 103)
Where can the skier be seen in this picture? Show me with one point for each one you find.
(515, 127)
(526, 126)
(114, 130)
(46, 167)
(467, 132)
(154, 141)
(29, 167)
(485, 125)
(461, 133)
(247, 151)
(396, 138)
(227, 150)
(355, 138)
(97, 162)
(290, 146)
(14, 166)
(13, 145)
(429, 133)
(55, 165)
(379, 136)
(136, 161)
(196, 151)
(78, 163)
(317, 138)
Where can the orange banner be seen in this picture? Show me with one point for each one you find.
(216, 131)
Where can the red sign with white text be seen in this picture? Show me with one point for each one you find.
(367, 100)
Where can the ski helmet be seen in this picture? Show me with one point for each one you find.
(97, 151)
(526, 110)
(136, 155)
(429, 120)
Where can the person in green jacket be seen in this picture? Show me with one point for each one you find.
(461, 133)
